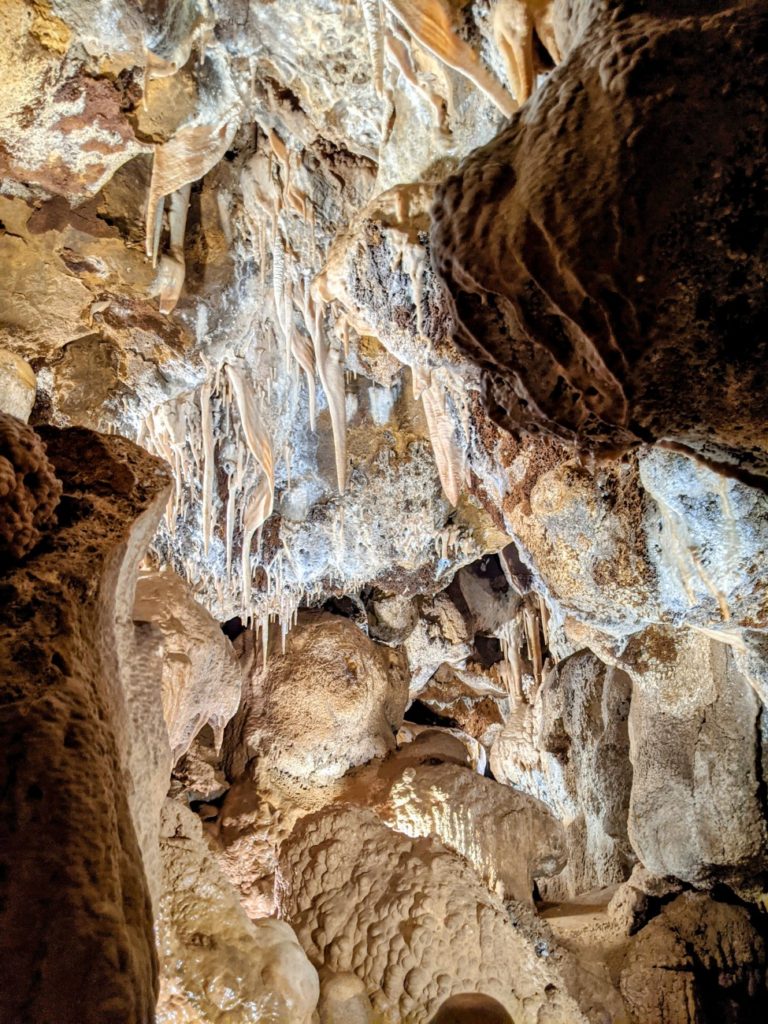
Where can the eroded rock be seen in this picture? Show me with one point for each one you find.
(202, 681)
(82, 755)
(335, 699)
(591, 248)
(368, 900)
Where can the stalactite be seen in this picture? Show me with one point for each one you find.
(264, 640)
(431, 23)
(332, 378)
(206, 421)
(258, 510)
(224, 208)
(448, 458)
(280, 151)
(533, 638)
(399, 57)
(513, 23)
(172, 269)
(512, 671)
(255, 433)
(193, 151)
(371, 10)
(544, 617)
(278, 279)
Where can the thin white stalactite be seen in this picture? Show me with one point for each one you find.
(371, 10)
(331, 375)
(194, 150)
(206, 422)
(172, 269)
(258, 510)
(448, 458)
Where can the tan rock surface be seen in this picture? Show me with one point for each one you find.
(335, 699)
(416, 925)
(202, 682)
(225, 968)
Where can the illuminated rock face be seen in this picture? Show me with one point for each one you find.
(455, 620)
(368, 900)
(202, 681)
(334, 700)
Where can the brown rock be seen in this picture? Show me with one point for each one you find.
(76, 917)
(606, 251)
(29, 490)
(699, 962)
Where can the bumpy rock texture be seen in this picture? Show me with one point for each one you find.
(598, 267)
(76, 911)
(700, 960)
(29, 490)
(365, 899)
(334, 700)
(464, 408)
(218, 964)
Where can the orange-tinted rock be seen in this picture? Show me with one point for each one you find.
(75, 914)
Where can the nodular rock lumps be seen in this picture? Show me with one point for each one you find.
(76, 912)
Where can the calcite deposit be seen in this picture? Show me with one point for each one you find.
(383, 511)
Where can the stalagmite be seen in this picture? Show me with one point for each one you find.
(430, 22)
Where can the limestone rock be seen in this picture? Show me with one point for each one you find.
(590, 248)
(214, 959)
(570, 749)
(697, 809)
(699, 960)
(202, 682)
(64, 132)
(343, 1000)
(640, 898)
(508, 837)
(76, 909)
(248, 832)
(17, 386)
(414, 923)
(29, 490)
(440, 636)
(335, 699)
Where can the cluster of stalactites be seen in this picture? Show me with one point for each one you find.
(400, 31)
(526, 631)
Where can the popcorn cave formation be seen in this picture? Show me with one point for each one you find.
(384, 511)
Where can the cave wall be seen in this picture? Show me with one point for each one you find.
(432, 335)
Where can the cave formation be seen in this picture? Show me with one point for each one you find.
(383, 511)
